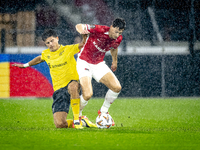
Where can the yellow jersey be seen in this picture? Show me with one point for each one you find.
(62, 65)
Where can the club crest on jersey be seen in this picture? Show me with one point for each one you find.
(91, 26)
(61, 53)
(97, 47)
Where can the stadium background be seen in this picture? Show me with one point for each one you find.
(159, 55)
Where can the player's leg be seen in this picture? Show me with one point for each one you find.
(85, 75)
(107, 77)
(60, 107)
(86, 86)
(60, 119)
(114, 86)
(87, 92)
(73, 89)
(103, 74)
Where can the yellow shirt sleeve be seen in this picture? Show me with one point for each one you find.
(43, 55)
(74, 48)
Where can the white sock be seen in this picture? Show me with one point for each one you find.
(109, 99)
(105, 107)
(83, 103)
(76, 121)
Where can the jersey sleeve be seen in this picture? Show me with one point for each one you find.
(43, 55)
(74, 48)
(119, 39)
(95, 28)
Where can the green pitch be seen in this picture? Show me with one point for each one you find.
(165, 124)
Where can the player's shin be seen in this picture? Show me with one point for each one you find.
(109, 99)
(83, 103)
(75, 104)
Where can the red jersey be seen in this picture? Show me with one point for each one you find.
(97, 44)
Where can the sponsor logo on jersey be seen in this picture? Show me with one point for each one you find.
(101, 50)
(57, 65)
(98, 40)
(87, 69)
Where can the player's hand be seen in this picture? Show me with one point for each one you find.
(114, 66)
(85, 32)
(18, 65)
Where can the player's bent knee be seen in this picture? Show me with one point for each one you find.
(117, 89)
(87, 96)
(73, 89)
(61, 124)
(73, 85)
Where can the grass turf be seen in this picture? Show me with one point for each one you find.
(140, 124)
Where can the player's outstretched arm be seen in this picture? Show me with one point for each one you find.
(82, 29)
(33, 62)
(114, 59)
(84, 36)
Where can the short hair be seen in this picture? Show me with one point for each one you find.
(120, 23)
(48, 33)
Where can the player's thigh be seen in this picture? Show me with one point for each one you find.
(86, 86)
(102, 73)
(111, 82)
(61, 100)
(85, 75)
(73, 89)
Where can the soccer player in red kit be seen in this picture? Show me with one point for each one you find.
(90, 62)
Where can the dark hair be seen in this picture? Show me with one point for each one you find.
(48, 33)
(119, 22)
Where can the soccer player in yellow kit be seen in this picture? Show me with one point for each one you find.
(62, 65)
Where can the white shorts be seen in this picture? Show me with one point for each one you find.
(97, 71)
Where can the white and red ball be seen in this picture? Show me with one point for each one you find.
(104, 121)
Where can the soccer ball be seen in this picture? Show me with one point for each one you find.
(104, 121)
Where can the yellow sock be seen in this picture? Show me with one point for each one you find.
(75, 104)
(70, 123)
